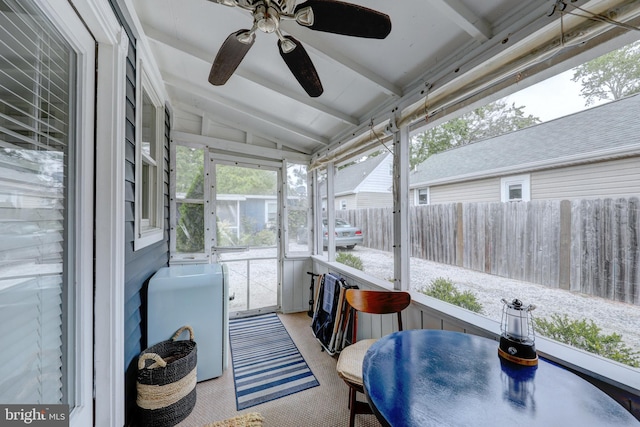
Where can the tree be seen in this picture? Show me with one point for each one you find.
(611, 76)
(240, 180)
(491, 120)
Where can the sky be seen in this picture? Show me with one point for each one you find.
(552, 98)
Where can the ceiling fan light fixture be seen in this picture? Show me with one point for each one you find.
(246, 37)
(287, 45)
(267, 24)
(305, 16)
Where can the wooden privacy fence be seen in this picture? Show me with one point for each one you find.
(590, 246)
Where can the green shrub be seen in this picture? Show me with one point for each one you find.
(264, 237)
(586, 335)
(444, 290)
(349, 259)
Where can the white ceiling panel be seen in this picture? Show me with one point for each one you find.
(432, 45)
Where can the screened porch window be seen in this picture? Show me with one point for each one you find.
(37, 204)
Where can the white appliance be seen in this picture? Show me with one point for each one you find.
(195, 295)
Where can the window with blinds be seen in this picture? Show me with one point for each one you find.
(37, 80)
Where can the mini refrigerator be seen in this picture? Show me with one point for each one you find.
(195, 295)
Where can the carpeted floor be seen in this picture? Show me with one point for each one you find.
(323, 406)
(252, 419)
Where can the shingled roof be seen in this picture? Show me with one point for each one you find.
(348, 179)
(606, 131)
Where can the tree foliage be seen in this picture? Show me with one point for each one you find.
(484, 122)
(610, 76)
(240, 180)
(189, 166)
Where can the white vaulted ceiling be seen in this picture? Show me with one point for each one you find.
(440, 54)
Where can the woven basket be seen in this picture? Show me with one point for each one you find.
(166, 381)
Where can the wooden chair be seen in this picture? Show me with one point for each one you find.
(350, 361)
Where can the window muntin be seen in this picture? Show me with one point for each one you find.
(149, 164)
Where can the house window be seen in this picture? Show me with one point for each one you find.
(46, 205)
(271, 214)
(149, 164)
(516, 188)
(422, 196)
(343, 205)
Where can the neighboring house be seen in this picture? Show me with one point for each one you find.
(241, 211)
(567, 158)
(363, 185)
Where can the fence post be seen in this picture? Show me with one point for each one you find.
(459, 236)
(564, 254)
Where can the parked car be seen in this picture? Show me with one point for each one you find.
(347, 235)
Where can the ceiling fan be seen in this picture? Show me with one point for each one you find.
(321, 15)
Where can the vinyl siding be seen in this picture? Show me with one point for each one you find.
(142, 264)
(351, 201)
(614, 178)
(484, 190)
(374, 200)
(379, 180)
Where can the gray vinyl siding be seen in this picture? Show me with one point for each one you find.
(142, 264)
(379, 180)
(614, 178)
(374, 200)
(351, 201)
(484, 190)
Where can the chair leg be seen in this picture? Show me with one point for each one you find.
(352, 406)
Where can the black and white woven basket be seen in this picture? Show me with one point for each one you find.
(166, 381)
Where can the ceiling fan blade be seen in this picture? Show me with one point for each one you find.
(301, 66)
(229, 57)
(343, 18)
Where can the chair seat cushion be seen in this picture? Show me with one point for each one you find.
(349, 365)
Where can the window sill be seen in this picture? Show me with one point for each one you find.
(147, 238)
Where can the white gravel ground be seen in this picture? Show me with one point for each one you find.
(610, 316)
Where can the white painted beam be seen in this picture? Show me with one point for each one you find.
(211, 96)
(203, 110)
(163, 40)
(238, 147)
(459, 14)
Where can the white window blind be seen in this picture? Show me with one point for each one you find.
(36, 226)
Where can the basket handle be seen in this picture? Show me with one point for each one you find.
(179, 331)
(158, 361)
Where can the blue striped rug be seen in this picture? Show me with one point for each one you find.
(266, 363)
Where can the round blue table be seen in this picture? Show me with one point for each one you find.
(424, 378)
